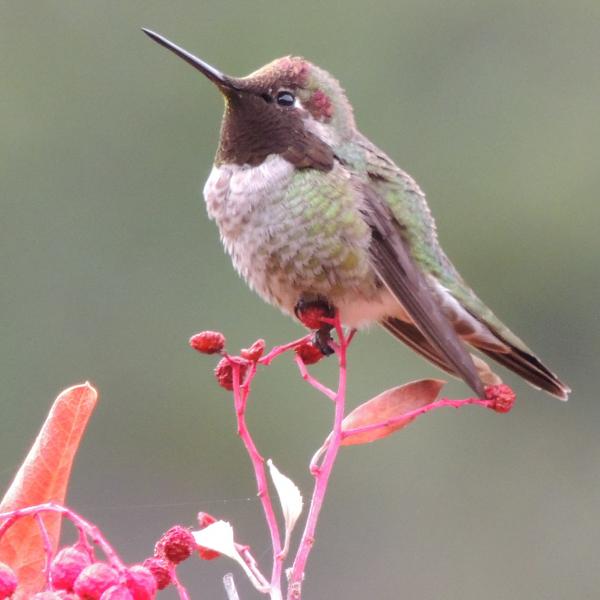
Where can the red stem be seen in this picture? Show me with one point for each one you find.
(240, 395)
(279, 350)
(415, 413)
(91, 530)
(183, 595)
(47, 547)
(322, 473)
(313, 381)
(250, 561)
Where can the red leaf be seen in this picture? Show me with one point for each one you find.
(386, 409)
(43, 477)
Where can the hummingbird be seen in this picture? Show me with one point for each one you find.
(313, 213)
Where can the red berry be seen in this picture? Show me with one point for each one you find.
(160, 569)
(60, 595)
(117, 592)
(224, 373)
(8, 581)
(309, 353)
(501, 397)
(176, 544)
(66, 566)
(255, 351)
(312, 316)
(208, 342)
(140, 582)
(94, 580)
(204, 520)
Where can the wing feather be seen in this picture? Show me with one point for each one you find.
(396, 267)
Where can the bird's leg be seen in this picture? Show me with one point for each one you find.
(322, 338)
(310, 310)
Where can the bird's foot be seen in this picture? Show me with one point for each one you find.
(321, 340)
(311, 312)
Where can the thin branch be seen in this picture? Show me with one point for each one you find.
(47, 547)
(244, 552)
(279, 350)
(444, 402)
(240, 395)
(183, 595)
(230, 588)
(91, 530)
(323, 472)
(312, 380)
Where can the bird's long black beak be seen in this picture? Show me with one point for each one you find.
(222, 81)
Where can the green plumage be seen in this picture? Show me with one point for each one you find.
(309, 208)
(409, 205)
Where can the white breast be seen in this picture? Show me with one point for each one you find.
(245, 202)
(234, 191)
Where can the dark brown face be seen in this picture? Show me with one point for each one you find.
(265, 118)
(262, 114)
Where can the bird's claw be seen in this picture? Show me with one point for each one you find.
(321, 340)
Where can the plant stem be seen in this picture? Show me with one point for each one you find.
(230, 588)
(183, 595)
(92, 531)
(279, 350)
(252, 565)
(413, 414)
(323, 472)
(240, 395)
(313, 381)
(47, 547)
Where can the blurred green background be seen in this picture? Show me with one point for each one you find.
(109, 264)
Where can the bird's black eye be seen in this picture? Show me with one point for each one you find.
(285, 99)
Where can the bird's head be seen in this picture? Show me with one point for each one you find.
(289, 107)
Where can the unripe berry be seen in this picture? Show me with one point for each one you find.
(176, 544)
(140, 582)
(501, 397)
(208, 342)
(224, 373)
(8, 581)
(117, 592)
(204, 520)
(66, 566)
(309, 353)
(94, 580)
(254, 352)
(159, 567)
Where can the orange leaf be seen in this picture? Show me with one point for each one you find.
(43, 477)
(389, 406)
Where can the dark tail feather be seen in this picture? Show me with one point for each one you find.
(413, 338)
(531, 369)
(522, 363)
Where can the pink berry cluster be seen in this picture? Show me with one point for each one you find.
(74, 573)
(213, 342)
(501, 397)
